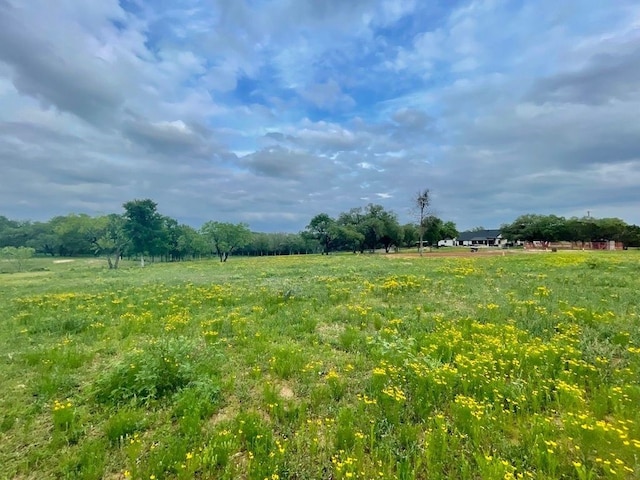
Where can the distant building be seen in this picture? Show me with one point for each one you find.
(487, 238)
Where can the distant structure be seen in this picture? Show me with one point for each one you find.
(598, 245)
(487, 238)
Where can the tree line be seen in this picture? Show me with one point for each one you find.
(372, 227)
(141, 231)
(552, 228)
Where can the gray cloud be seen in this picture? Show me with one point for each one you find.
(607, 77)
(170, 137)
(234, 111)
(52, 75)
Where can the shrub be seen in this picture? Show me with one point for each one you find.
(163, 368)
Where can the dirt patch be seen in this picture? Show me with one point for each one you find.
(222, 416)
(329, 332)
(458, 253)
(63, 261)
(286, 392)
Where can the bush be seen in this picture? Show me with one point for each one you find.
(163, 368)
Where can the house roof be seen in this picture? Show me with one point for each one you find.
(479, 235)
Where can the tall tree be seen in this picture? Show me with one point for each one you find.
(383, 227)
(432, 230)
(226, 237)
(322, 228)
(143, 225)
(422, 201)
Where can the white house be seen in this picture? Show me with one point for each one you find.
(489, 238)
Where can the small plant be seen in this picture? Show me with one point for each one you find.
(592, 263)
(123, 424)
(286, 361)
(336, 385)
(63, 415)
(351, 339)
(164, 367)
(66, 423)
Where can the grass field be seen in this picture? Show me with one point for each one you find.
(339, 367)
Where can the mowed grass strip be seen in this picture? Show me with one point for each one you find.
(347, 366)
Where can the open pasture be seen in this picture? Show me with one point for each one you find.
(339, 367)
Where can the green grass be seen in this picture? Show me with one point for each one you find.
(346, 366)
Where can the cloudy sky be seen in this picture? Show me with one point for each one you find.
(271, 111)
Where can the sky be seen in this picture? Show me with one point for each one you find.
(272, 111)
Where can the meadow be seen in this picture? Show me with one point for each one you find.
(314, 367)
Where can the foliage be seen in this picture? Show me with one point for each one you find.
(410, 235)
(143, 227)
(111, 239)
(226, 237)
(552, 228)
(162, 368)
(17, 255)
(323, 229)
(141, 230)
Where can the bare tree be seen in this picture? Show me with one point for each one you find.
(422, 201)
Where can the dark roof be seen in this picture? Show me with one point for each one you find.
(478, 235)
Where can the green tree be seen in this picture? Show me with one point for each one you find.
(18, 255)
(410, 235)
(43, 238)
(112, 239)
(171, 238)
(75, 234)
(191, 243)
(226, 237)
(432, 227)
(348, 236)
(631, 236)
(368, 227)
(609, 229)
(579, 230)
(143, 226)
(541, 228)
(385, 227)
(260, 244)
(13, 233)
(351, 230)
(449, 231)
(323, 229)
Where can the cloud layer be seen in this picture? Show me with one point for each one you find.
(270, 112)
